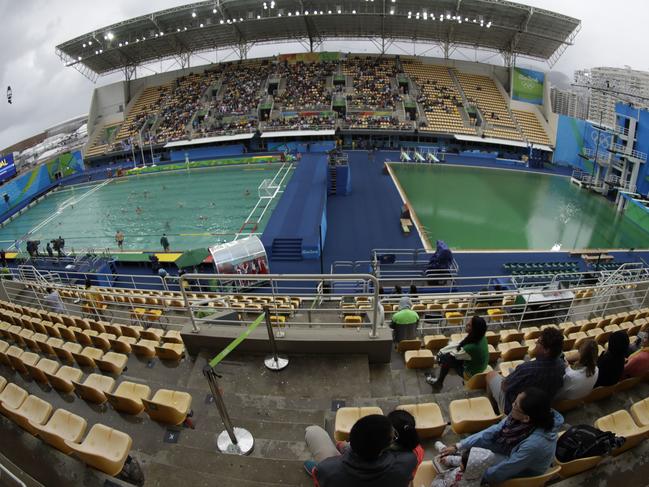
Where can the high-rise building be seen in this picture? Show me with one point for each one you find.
(571, 102)
(611, 85)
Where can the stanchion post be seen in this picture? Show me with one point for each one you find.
(234, 441)
(274, 361)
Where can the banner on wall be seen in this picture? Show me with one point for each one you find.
(65, 165)
(577, 138)
(7, 167)
(527, 86)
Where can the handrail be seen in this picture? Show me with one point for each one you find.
(18, 482)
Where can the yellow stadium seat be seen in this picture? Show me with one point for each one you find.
(346, 417)
(104, 448)
(429, 422)
(424, 475)
(506, 368)
(538, 481)
(12, 397)
(144, 348)
(38, 370)
(640, 412)
(478, 381)
(62, 426)
(419, 359)
(94, 387)
(127, 398)
(64, 378)
(112, 363)
(512, 351)
(168, 407)
(33, 410)
(621, 423)
(574, 467)
(471, 415)
(435, 342)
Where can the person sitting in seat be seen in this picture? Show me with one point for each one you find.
(545, 372)
(611, 362)
(406, 436)
(637, 364)
(468, 358)
(404, 322)
(366, 461)
(405, 212)
(469, 469)
(524, 442)
(579, 379)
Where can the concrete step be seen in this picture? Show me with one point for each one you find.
(162, 475)
(221, 466)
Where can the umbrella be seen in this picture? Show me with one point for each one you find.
(192, 257)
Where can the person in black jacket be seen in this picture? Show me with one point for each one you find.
(366, 461)
(611, 362)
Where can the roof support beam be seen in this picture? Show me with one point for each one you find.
(218, 5)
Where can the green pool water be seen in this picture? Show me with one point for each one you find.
(481, 208)
(195, 209)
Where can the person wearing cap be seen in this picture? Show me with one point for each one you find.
(367, 460)
(638, 363)
(404, 322)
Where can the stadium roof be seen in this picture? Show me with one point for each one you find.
(510, 28)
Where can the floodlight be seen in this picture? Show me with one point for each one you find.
(193, 15)
(90, 43)
(110, 36)
(306, 13)
(391, 11)
(201, 26)
(84, 44)
(272, 4)
(213, 10)
(265, 6)
(79, 58)
(221, 21)
(354, 12)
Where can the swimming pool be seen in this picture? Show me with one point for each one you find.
(482, 208)
(194, 208)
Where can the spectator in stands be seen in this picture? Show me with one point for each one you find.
(92, 300)
(406, 438)
(468, 358)
(546, 372)
(524, 442)
(638, 363)
(368, 460)
(53, 301)
(3, 257)
(404, 322)
(637, 343)
(49, 250)
(580, 379)
(611, 362)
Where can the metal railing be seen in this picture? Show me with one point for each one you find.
(334, 301)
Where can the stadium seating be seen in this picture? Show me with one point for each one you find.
(428, 419)
(531, 127)
(471, 415)
(103, 448)
(346, 417)
(61, 427)
(439, 98)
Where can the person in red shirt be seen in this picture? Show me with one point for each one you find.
(638, 363)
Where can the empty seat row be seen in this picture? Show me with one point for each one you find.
(103, 448)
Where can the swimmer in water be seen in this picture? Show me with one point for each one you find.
(247, 193)
(138, 210)
(181, 204)
(164, 187)
(212, 204)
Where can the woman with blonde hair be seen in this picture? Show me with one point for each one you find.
(580, 379)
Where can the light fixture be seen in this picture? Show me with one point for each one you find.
(240, 19)
(221, 21)
(425, 15)
(306, 12)
(161, 33)
(329, 12)
(272, 4)
(79, 58)
(448, 16)
(90, 43)
(126, 43)
(354, 12)
(213, 10)
(297, 12)
(201, 26)
(193, 15)
(391, 11)
(120, 44)
(258, 17)
(84, 44)
(110, 36)
(265, 6)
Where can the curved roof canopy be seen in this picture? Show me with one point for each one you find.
(496, 25)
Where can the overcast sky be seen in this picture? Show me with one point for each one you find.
(45, 92)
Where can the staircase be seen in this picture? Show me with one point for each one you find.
(617, 286)
(331, 187)
(287, 249)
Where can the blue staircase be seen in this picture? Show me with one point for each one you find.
(286, 249)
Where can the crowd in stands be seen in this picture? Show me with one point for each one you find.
(300, 123)
(522, 444)
(371, 79)
(220, 126)
(305, 85)
(242, 85)
(375, 122)
(180, 105)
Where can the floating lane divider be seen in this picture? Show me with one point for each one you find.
(235, 343)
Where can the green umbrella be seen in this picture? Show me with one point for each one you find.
(192, 257)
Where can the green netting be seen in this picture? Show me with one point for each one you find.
(194, 208)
